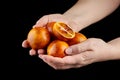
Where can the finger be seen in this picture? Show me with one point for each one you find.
(85, 58)
(77, 61)
(50, 18)
(51, 59)
(42, 21)
(25, 44)
(69, 60)
(41, 51)
(54, 62)
(32, 52)
(78, 48)
(60, 63)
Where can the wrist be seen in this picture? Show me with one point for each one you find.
(80, 21)
(116, 48)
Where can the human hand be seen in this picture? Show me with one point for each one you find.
(43, 22)
(90, 51)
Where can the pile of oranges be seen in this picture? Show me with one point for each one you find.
(55, 37)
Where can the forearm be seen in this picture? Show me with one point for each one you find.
(87, 12)
(115, 43)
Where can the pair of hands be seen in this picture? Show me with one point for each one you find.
(90, 51)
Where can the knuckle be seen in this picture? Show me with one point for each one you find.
(78, 49)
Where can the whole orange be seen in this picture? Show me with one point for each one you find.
(57, 48)
(38, 37)
(50, 27)
(79, 37)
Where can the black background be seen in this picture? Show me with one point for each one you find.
(22, 15)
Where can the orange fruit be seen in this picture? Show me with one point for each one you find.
(62, 31)
(50, 27)
(38, 37)
(79, 37)
(57, 48)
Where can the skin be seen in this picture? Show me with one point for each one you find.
(79, 16)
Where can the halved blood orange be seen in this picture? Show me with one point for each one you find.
(63, 31)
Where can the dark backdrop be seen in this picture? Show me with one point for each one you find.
(22, 15)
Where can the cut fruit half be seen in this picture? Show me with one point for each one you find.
(62, 31)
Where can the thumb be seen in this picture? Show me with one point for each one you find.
(78, 48)
(42, 21)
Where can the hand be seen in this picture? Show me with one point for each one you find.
(32, 52)
(43, 21)
(87, 52)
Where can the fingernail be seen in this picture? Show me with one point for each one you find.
(69, 51)
(34, 26)
(40, 56)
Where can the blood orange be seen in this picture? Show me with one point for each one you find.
(57, 48)
(62, 31)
